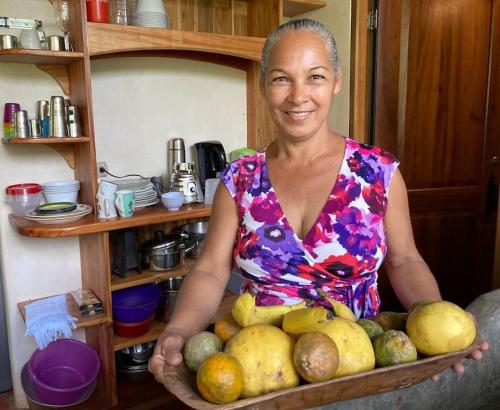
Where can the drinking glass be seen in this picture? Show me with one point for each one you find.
(63, 12)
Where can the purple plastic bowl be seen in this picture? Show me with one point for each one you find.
(63, 371)
(135, 304)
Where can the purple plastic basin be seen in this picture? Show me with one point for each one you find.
(62, 372)
(135, 304)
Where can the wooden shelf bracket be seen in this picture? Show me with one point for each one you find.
(60, 73)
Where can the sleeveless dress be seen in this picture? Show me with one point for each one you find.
(342, 251)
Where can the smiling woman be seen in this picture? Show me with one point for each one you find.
(313, 213)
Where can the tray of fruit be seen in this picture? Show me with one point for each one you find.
(296, 357)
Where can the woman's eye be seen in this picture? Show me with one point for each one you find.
(279, 79)
(317, 77)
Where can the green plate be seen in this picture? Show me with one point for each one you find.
(55, 208)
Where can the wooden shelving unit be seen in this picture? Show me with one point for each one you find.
(83, 321)
(90, 224)
(134, 278)
(208, 31)
(47, 140)
(21, 55)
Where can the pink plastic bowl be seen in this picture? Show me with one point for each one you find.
(63, 371)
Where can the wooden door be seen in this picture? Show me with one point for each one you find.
(437, 92)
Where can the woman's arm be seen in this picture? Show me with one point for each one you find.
(409, 275)
(203, 288)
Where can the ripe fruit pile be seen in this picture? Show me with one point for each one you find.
(257, 350)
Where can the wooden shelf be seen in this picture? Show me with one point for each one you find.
(135, 278)
(91, 224)
(292, 8)
(21, 55)
(48, 140)
(83, 321)
(157, 327)
(111, 39)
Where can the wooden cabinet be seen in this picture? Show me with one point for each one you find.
(223, 32)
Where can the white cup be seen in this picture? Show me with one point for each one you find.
(107, 189)
(210, 187)
(106, 207)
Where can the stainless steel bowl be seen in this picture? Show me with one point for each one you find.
(138, 354)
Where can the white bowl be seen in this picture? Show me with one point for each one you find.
(52, 184)
(172, 200)
(61, 196)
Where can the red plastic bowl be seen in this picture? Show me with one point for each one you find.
(132, 329)
(63, 371)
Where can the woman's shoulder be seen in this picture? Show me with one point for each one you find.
(371, 151)
(247, 164)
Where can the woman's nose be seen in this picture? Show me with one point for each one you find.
(299, 93)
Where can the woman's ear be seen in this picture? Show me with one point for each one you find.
(338, 81)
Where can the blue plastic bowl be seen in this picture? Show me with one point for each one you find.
(135, 304)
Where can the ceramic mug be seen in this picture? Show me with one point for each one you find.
(106, 207)
(124, 202)
(107, 189)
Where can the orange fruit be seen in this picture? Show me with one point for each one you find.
(220, 378)
(226, 327)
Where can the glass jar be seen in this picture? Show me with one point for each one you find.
(122, 12)
(98, 11)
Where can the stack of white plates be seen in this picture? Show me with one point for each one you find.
(78, 213)
(61, 191)
(151, 13)
(144, 190)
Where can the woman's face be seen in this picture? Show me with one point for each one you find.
(299, 85)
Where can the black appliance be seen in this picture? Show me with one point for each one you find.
(126, 254)
(211, 159)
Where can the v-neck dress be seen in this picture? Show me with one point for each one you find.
(343, 249)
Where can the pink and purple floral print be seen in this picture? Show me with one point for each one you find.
(342, 251)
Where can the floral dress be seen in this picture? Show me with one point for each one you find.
(342, 251)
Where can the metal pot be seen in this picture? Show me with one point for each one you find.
(195, 234)
(163, 251)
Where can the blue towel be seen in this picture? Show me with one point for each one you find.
(48, 319)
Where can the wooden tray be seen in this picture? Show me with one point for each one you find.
(180, 382)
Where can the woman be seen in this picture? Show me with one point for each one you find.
(314, 210)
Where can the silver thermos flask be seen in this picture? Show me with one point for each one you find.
(176, 153)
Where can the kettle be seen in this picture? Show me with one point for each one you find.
(210, 158)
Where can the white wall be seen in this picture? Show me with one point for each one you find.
(138, 105)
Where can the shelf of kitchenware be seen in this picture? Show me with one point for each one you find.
(157, 327)
(134, 278)
(91, 224)
(82, 321)
(29, 56)
(47, 140)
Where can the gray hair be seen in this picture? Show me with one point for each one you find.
(293, 26)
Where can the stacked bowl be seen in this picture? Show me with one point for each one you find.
(134, 309)
(151, 13)
(61, 191)
(172, 200)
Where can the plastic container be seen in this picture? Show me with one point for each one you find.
(135, 304)
(135, 329)
(63, 371)
(98, 11)
(23, 197)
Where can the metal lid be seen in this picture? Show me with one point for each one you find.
(176, 143)
(161, 240)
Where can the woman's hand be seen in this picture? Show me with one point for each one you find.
(168, 351)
